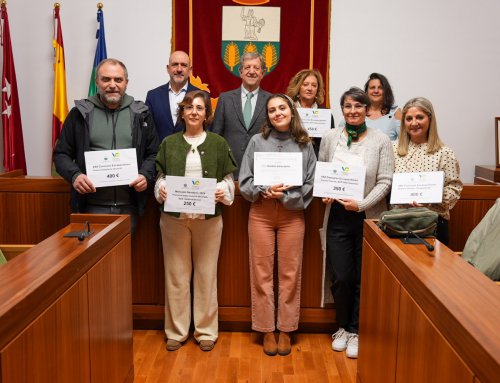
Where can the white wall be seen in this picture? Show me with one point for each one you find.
(447, 51)
(137, 32)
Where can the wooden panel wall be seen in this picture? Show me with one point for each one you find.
(49, 198)
(233, 270)
(474, 203)
(32, 208)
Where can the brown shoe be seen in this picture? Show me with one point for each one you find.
(270, 346)
(173, 345)
(284, 346)
(207, 345)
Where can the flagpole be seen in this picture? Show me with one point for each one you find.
(100, 53)
(60, 102)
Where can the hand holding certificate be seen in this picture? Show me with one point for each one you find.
(273, 168)
(339, 181)
(422, 187)
(275, 191)
(316, 121)
(190, 195)
(111, 167)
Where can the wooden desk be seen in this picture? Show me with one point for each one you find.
(65, 307)
(425, 317)
(487, 175)
(35, 207)
(32, 208)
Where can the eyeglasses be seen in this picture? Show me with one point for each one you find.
(355, 106)
(190, 108)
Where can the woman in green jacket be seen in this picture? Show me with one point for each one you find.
(191, 241)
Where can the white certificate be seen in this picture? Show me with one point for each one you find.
(340, 181)
(111, 167)
(272, 168)
(316, 121)
(423, 187)
(190, 195)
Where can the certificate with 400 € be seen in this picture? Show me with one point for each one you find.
(111, 167)
(340, 181)
(190, 195)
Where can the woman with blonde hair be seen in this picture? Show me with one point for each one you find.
(419, 149)
(307, 90)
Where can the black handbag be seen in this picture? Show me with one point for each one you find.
(415, 222)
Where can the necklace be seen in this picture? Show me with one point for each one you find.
(194, 141)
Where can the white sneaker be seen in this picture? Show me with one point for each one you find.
(339, 342)
(352, 346)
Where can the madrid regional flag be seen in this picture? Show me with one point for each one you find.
(13, 145)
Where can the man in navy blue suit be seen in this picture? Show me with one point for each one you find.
(162, 101)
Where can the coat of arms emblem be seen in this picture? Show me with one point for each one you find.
(250, 29)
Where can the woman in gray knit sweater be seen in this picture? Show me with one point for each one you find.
(277, 218)
(354, 145)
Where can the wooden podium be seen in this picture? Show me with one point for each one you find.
(425, 317)
(66, 307)
(487, 175)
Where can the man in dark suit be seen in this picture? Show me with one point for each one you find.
(162, 101)
(241, 112)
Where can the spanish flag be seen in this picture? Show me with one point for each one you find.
(60, 101)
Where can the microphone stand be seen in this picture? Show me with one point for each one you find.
(419, 240)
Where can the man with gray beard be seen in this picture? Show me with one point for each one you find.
(109, 120)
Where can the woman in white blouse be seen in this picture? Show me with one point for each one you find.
(191, 241)
(419, 149)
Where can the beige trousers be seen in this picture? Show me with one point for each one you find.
(191, 247)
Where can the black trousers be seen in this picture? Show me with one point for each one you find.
(442, 231)
(344, 245)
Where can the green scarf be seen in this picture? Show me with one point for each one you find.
(353, 132)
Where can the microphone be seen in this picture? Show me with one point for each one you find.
(419, 240)
(81, 235)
